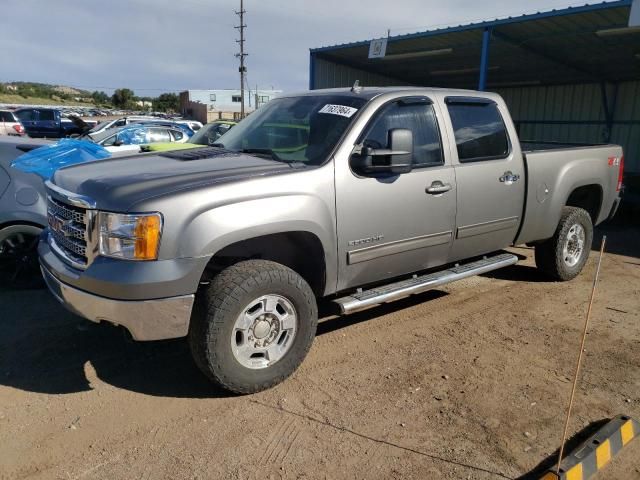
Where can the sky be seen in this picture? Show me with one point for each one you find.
(154, 46)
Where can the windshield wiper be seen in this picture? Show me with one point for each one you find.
(263, 151)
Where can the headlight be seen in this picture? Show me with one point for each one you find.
(132, 237)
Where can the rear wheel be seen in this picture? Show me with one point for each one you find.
(19, 266)
(253, 325)
(564, 255)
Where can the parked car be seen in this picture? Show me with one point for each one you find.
(10, 124)
(169, 123)
(118, 122)
(396, 191)
(192, 124)
(129, 139)
(207, 135)
(23, 215)
(48, 123)
(22, 193)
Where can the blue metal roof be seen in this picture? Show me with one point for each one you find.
(488, 23)
(562, 46)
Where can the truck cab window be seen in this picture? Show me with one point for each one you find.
(479, 130)
(26, 115)
(420, 119)
(47, 115)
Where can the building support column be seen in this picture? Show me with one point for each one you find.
(484, 59)
(312, 70)
(609, 107)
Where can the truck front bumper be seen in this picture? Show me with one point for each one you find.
(153, 300)
(157, 319)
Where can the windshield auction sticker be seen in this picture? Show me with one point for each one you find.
(341, 110)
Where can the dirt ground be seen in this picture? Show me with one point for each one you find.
(469, 381)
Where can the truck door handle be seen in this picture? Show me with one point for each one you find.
(508, 178)
(437, 187)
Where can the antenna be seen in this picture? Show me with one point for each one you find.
(241, 55)
(356, 87)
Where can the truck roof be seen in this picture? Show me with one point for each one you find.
(371, 92)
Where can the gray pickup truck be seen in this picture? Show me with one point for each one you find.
(360, 196)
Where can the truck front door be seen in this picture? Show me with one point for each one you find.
(29, 119)
(489, 173)
(393, 224)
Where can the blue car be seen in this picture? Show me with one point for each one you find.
(128, 139)
(165, 123)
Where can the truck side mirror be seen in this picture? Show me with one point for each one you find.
(396, 159)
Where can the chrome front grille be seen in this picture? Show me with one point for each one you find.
(69, 230)
(67, 212)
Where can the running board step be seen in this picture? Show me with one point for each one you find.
(395, 291)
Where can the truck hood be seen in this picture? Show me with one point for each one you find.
(118, 184)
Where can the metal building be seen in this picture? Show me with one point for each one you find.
(210, 105)
(570, 75)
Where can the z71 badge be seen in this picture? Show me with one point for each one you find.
(363, 241)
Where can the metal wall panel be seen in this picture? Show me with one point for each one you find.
(575, 113)
(627, 131)
(332, 75)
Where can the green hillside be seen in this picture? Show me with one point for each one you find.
(46, 94)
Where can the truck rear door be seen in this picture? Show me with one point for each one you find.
(391, 224)
(48, 123)
(490, 175)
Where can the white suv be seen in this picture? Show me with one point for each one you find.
(9, 124)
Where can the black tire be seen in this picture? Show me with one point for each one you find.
(19, 264)
(220, 303)
(550, 256)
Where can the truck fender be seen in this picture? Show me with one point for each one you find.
(212, 230)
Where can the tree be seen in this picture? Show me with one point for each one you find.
(122, 97)
(167, 102)
(100, 98)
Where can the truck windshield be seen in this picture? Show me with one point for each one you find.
(297, 129)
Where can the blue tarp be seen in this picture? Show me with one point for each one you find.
(44, 161)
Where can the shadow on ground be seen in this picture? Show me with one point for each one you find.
(45, 349)
(518, 273)
(572, 443)
(623, 233)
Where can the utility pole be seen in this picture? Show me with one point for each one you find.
(241, 55)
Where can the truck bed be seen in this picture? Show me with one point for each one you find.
(554, 171)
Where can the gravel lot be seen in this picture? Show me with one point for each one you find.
(465, 382)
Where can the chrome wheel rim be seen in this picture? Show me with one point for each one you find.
(264, 331)
(574, 245)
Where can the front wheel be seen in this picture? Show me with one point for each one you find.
(19, 265)
(564, 255)
(253, 325)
